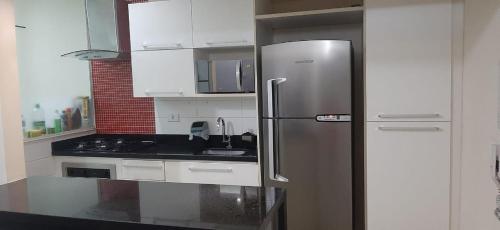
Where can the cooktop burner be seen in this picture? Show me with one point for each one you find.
(110, 145)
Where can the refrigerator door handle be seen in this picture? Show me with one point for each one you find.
(273, 163)
(238, 76)
(270, 95)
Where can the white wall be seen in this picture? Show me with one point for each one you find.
(481, 79)
(54, 27)
(10, 122)
(239, 113)
(3, 172)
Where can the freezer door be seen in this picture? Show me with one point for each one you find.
(318, 77)
(315, 157)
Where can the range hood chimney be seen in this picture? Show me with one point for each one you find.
(107, 31)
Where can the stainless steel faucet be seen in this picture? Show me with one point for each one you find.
(225, 138)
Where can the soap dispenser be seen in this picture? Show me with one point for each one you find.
(200, 129)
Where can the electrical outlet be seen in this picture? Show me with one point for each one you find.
(174, 117)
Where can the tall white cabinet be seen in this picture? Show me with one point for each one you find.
(408, 52)
(408, 113)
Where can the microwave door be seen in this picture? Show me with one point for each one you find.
(227, 76)
(247, 76)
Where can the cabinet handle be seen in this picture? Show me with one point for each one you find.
(147, 45)
(225, 170)
(409, 129)
(149, 92)
(226, 42)
(143, 166)
(401, 116)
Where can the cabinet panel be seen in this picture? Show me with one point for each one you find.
(163, 73)
(222, 23)
(408, 175)
(244, 174)
(408, 60)
(143, 170)
(161, 25)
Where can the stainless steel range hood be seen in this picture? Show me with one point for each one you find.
(107, 29)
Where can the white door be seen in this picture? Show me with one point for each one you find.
(221, 23)
(163, 73)
(408, 60)
(161, 25)
(408, 175)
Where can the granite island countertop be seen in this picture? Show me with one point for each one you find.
(81, 203)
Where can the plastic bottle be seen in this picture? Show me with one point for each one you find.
(39, 119)
(57, 122)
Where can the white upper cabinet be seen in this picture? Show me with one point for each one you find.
(223, 23)
(163, 73)
(161, 25)
(408, 60)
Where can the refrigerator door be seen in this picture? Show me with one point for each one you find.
(318, 78)
(316, 159)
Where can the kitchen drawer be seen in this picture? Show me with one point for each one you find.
(226, 173)
(143, 170)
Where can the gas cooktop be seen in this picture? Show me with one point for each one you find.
(109, 145)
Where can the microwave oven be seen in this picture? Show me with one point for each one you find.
(225, 76)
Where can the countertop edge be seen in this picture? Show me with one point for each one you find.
(252, 158)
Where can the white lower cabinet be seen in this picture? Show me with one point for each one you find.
(226, 173)
(408, 175)
(143, 170)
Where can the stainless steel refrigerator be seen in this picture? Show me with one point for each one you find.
(306, 120)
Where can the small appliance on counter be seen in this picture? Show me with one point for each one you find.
(199, 129)
(225, 76)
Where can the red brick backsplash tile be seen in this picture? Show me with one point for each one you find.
(116, 109)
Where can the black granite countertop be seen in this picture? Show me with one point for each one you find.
(177, 147)
(81, 203)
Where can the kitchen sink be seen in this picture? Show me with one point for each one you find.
(225, 152)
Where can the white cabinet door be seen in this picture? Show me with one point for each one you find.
(161, 25)
(221, 23)
(226, 173)
(163, 73)
(408, 175)
(143, 170)
(408, 60)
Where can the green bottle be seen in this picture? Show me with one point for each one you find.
(57, 122)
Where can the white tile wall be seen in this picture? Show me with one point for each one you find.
(239, 113)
